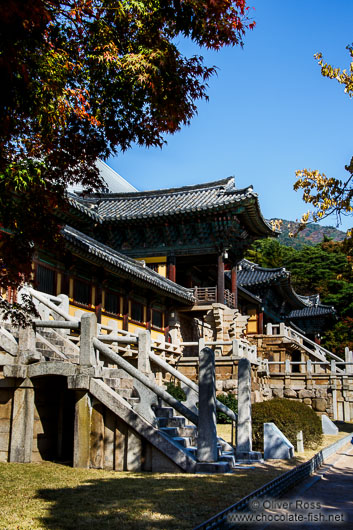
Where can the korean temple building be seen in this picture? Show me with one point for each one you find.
(163, 260)
(170, 262)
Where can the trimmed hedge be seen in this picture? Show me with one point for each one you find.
(231, 402)
(176, 391)
(290, 417)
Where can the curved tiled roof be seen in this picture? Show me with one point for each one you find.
(312, 311)
(208, 197)
(129, 267)
(85, 208)
(252, 274)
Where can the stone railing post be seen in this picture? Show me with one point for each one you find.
(300, 442)
(348, 357)
(88, 331)
(144, 350)
(333, 367)
(27, 352)
(201, 344)
(287, 367)
(65, 306)
(83, 405)
(269, 329)
(282, 329)
(244, 425)
(207, 433)
(235, 348)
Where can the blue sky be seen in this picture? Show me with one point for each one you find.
(270, 111)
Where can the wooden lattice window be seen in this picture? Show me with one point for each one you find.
(82, 292)
(157, 319)
(136, 311)
(45, 280)
(112, 303)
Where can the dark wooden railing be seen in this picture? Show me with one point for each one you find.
(208, 295)
(205, 295)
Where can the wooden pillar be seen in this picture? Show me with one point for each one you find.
(125, 313)
(220, 280)
(234, 285)
(98, 303)
(260, 323)
(171, 268)
(148, 316)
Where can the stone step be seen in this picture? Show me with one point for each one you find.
(118, 382)
(133, 400)
(164, 412)
(184, 441)
(124, 392)
(170, 431)
(185, 432)
(192, 449)
(175, 421)
(230, 458)
(213, 467)
(116, 373)
(189, 431)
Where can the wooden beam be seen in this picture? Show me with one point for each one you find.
(234, 285)
(220, 280)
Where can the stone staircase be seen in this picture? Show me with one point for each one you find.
(120, 391)
(186, 437)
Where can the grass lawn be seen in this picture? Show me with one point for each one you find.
(57, 497)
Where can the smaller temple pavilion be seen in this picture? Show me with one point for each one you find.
(267, 296)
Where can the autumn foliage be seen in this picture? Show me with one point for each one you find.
(329, 195)
(83, 79)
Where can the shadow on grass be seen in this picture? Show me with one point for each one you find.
(147, 501)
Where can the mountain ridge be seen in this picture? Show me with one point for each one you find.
(312, 234)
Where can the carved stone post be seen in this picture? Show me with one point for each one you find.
(64, 305)
(22, 423)
(244, 425)
(348, 358)
(207, 434)
(27, 352)
(88, 331)
(144, 349)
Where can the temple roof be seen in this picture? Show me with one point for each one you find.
(221, 195)
(127, 267)
(312, 311)
(252, 274)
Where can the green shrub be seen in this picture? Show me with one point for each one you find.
(176, 391)
(231, 402)
(290, 417)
